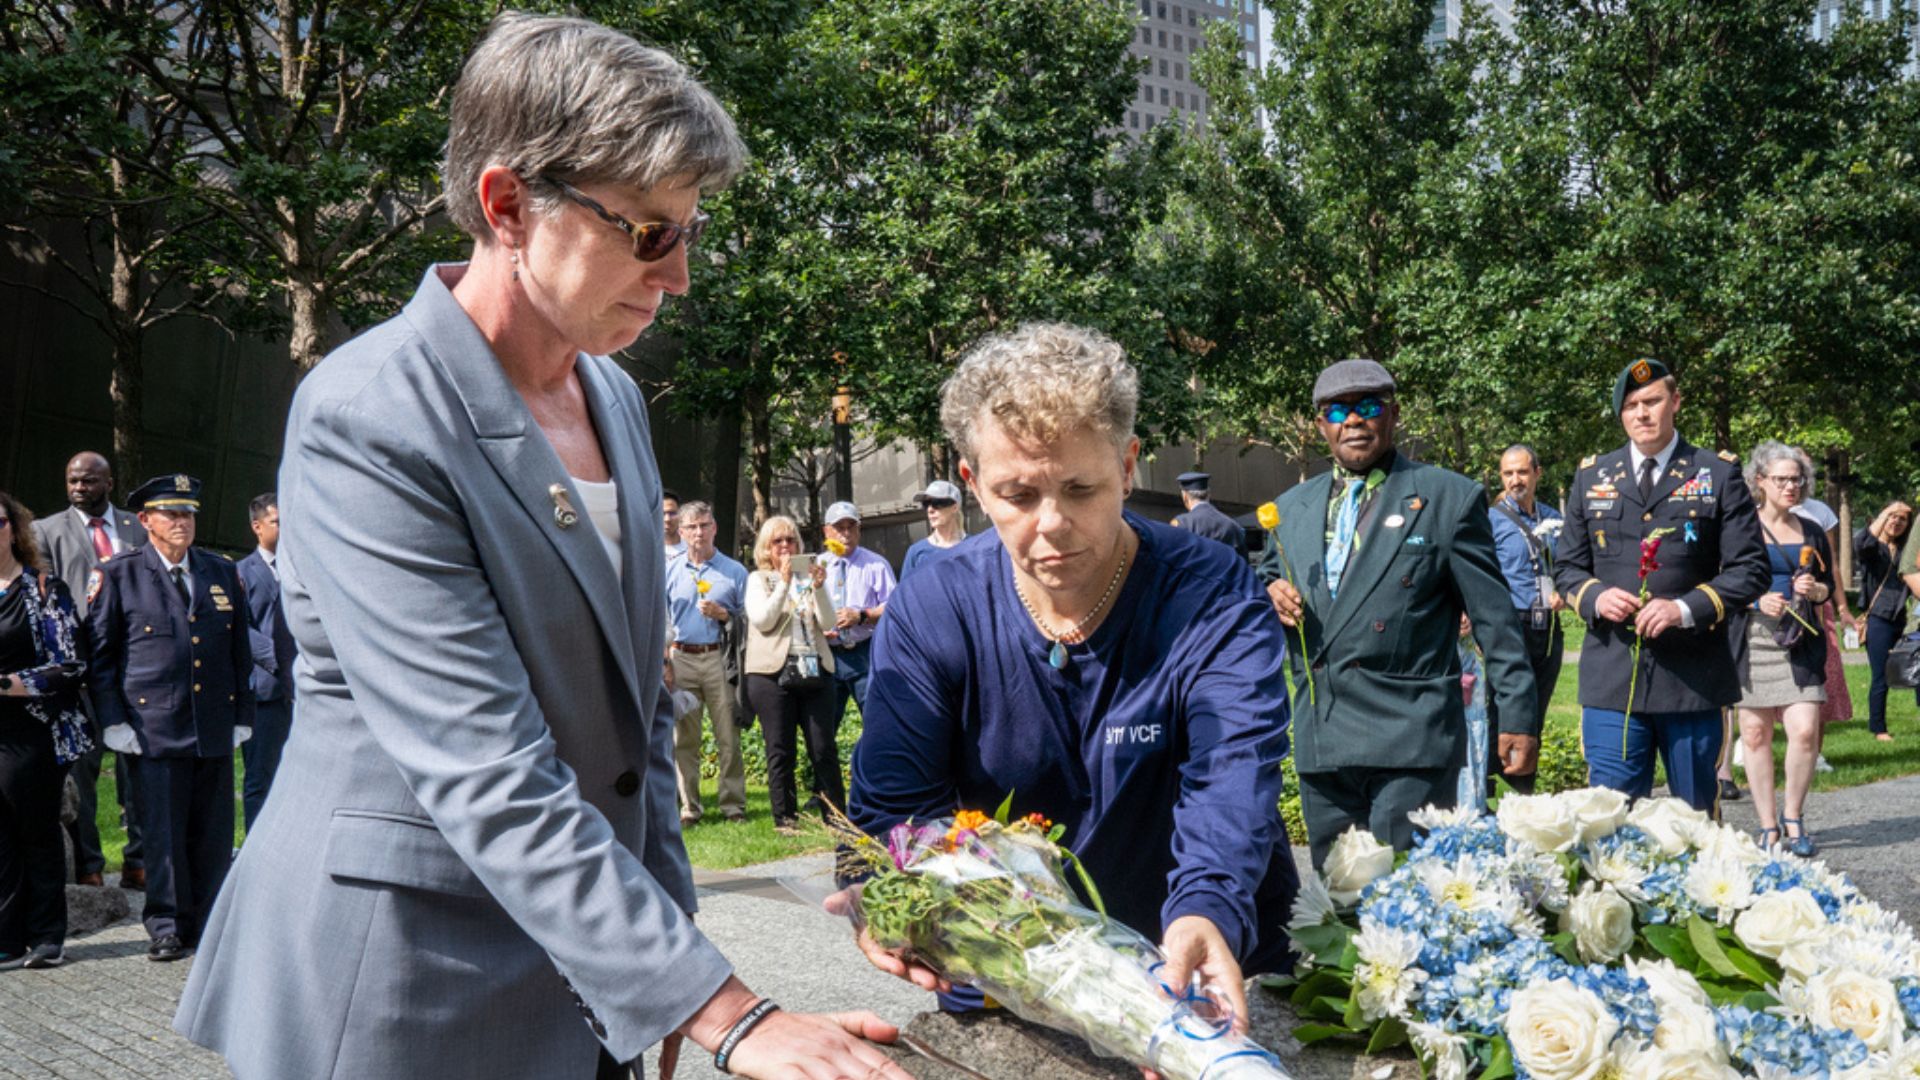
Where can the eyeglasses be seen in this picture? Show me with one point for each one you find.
(1367, 408)
(696, 526)
(1789, 481)
(794, 540)
(939, 504)
(652, 240)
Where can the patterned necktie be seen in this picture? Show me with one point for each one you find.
(1343, 529)
(180, 583)
(102, 543)
(1647, 468)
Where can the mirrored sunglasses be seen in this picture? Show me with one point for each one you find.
(939, 504)
(1367, 408)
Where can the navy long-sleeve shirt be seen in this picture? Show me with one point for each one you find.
(1158, 747)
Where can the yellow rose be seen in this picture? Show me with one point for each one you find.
(702, 586)
(1268, 515)
(836, 547)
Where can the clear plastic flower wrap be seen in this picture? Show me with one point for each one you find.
(985, 902)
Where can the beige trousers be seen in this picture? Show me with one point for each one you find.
(705, 674)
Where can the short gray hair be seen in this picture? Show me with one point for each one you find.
(568, 97)
(1771, 452)
(1041, 381)
(695, 509)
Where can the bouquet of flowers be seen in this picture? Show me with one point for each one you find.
(1572, 937)
(984, 902)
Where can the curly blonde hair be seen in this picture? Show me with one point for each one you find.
(1041, 381)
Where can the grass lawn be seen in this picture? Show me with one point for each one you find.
(113, 838)
(717, 844)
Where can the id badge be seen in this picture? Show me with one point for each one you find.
(810, 666)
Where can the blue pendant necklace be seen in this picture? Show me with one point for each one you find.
(1057, 656)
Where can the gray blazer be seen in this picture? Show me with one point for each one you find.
(69, 550)
(475, 818)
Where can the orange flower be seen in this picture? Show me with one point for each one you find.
(965, 821)
(1038, 821)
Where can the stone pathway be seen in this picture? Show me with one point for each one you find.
(108, 1012)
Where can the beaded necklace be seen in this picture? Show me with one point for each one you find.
(1057, 656)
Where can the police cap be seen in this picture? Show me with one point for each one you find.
(176, 492)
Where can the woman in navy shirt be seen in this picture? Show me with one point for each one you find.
(1119, 676)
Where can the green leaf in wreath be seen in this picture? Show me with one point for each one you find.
(1563, 945)
(1752, 968)
(1353, 1017)
(1318, 984)
(1501, 1065)
(1325, 943)
(1006, 809)
(1387, 1034)
(1671, 942)
(1758, 1000)
(1706, 942)
(1308, 1034)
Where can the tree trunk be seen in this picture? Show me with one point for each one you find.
(128, 388)
(312, 313)
(1840, 497)
(760, 458)
(940, 462)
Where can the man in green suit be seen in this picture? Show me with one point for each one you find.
(1370, 569)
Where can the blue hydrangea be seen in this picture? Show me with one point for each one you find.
(1756, 1037)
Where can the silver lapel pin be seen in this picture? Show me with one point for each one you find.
(563, 513)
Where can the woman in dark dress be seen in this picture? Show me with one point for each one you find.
(41, 733)
(1883, 601)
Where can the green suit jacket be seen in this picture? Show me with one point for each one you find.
(1385, 655)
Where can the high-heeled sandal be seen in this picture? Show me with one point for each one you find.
(1760, 836)
(1803, 844)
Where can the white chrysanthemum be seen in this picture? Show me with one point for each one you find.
(1312, 905)
(1672, 824)
(1854, 1001)
(1546, 822)
(1904, 1062)
(1866, 951)
(1354, 862)
(1720, 843)
(1447, 1051)
(1777, 921)
(1540, 877)
(1385, 976)
(1600, 811)
(1723, 886)
(1431, 817)
(1463, 882)
(1616, 868)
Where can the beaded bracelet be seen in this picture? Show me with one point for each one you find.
(739, 1031)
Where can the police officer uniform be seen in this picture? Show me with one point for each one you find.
(169, 677)
(1710, 559)
(1206, 518)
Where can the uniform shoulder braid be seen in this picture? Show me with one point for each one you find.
(1730, 457)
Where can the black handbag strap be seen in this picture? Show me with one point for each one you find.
(1534, 548)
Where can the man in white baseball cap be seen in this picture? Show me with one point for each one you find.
(946, 524)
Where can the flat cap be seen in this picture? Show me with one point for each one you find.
(1351, 377)
(1633, 377)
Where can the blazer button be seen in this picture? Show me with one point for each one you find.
(196, 641)
(196, 663)
(143, 701)
(148, 629)
(1406, 581)
(1379, 626)
(196, 688)
(1646, 517)
(627, 783)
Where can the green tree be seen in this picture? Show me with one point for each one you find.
(99, 157)
(319, 134)
(1311, 208)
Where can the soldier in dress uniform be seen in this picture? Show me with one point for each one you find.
(1202, 516)
(1710, 564)
(171, 661)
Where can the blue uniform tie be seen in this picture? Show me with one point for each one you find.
(1343, 529)
(180, 583)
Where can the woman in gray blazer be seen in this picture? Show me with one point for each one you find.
(472, 864)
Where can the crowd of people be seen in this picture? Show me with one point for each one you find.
(473, 784)
(117, 633)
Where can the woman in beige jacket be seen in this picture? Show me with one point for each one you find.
(790, 668)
